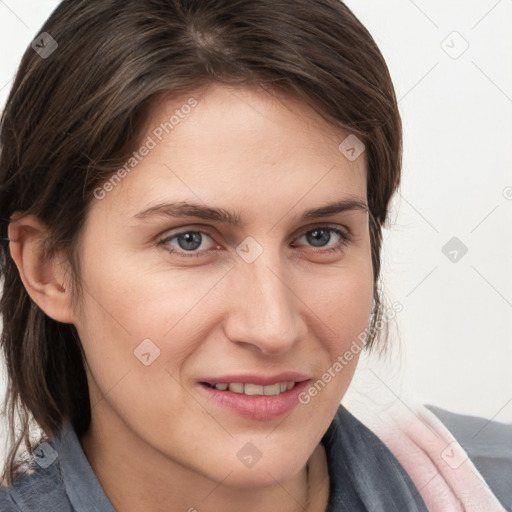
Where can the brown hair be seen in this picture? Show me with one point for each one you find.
(74, 117)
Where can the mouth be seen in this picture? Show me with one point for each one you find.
(256, 398)
(252, 389)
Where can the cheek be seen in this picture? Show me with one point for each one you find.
(127, 302)
(132, 369)
(140, 326)
(342, 299)
(342, 304)
(348, 302)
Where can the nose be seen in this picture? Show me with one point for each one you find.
(264, 312)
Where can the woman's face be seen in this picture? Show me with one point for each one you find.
(175, 300)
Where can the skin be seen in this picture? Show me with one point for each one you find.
(156, 442)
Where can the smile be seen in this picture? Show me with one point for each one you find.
(261, 402)
(254, 389)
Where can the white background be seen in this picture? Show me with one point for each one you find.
(455, 346)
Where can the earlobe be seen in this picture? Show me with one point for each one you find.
(43, 278)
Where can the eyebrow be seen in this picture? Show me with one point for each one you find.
(188, 209)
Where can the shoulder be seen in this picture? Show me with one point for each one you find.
(362, 469)
(38, 486)
(7, 503)
(488, 445)
(452, 458)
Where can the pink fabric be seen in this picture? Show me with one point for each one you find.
(439, 467)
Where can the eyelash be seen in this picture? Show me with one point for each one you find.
(346, 238)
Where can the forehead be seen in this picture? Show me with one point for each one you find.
(239, 145)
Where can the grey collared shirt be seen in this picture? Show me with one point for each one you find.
(364, 474)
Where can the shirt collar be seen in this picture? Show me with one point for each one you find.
(364, 475)
(82, 486)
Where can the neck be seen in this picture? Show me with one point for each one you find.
(143, 479)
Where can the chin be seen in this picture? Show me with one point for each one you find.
(259, 477)
(273, 465)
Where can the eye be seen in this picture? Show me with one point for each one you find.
(320, 236)
(191, 243)
(187, 243)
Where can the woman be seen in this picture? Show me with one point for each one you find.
(192, 198)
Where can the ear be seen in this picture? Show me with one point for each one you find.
(43, 278)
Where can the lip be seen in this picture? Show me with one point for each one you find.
(256, 407)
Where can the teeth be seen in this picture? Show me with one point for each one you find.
(236, 387)
(255, 389)
(274, 389)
